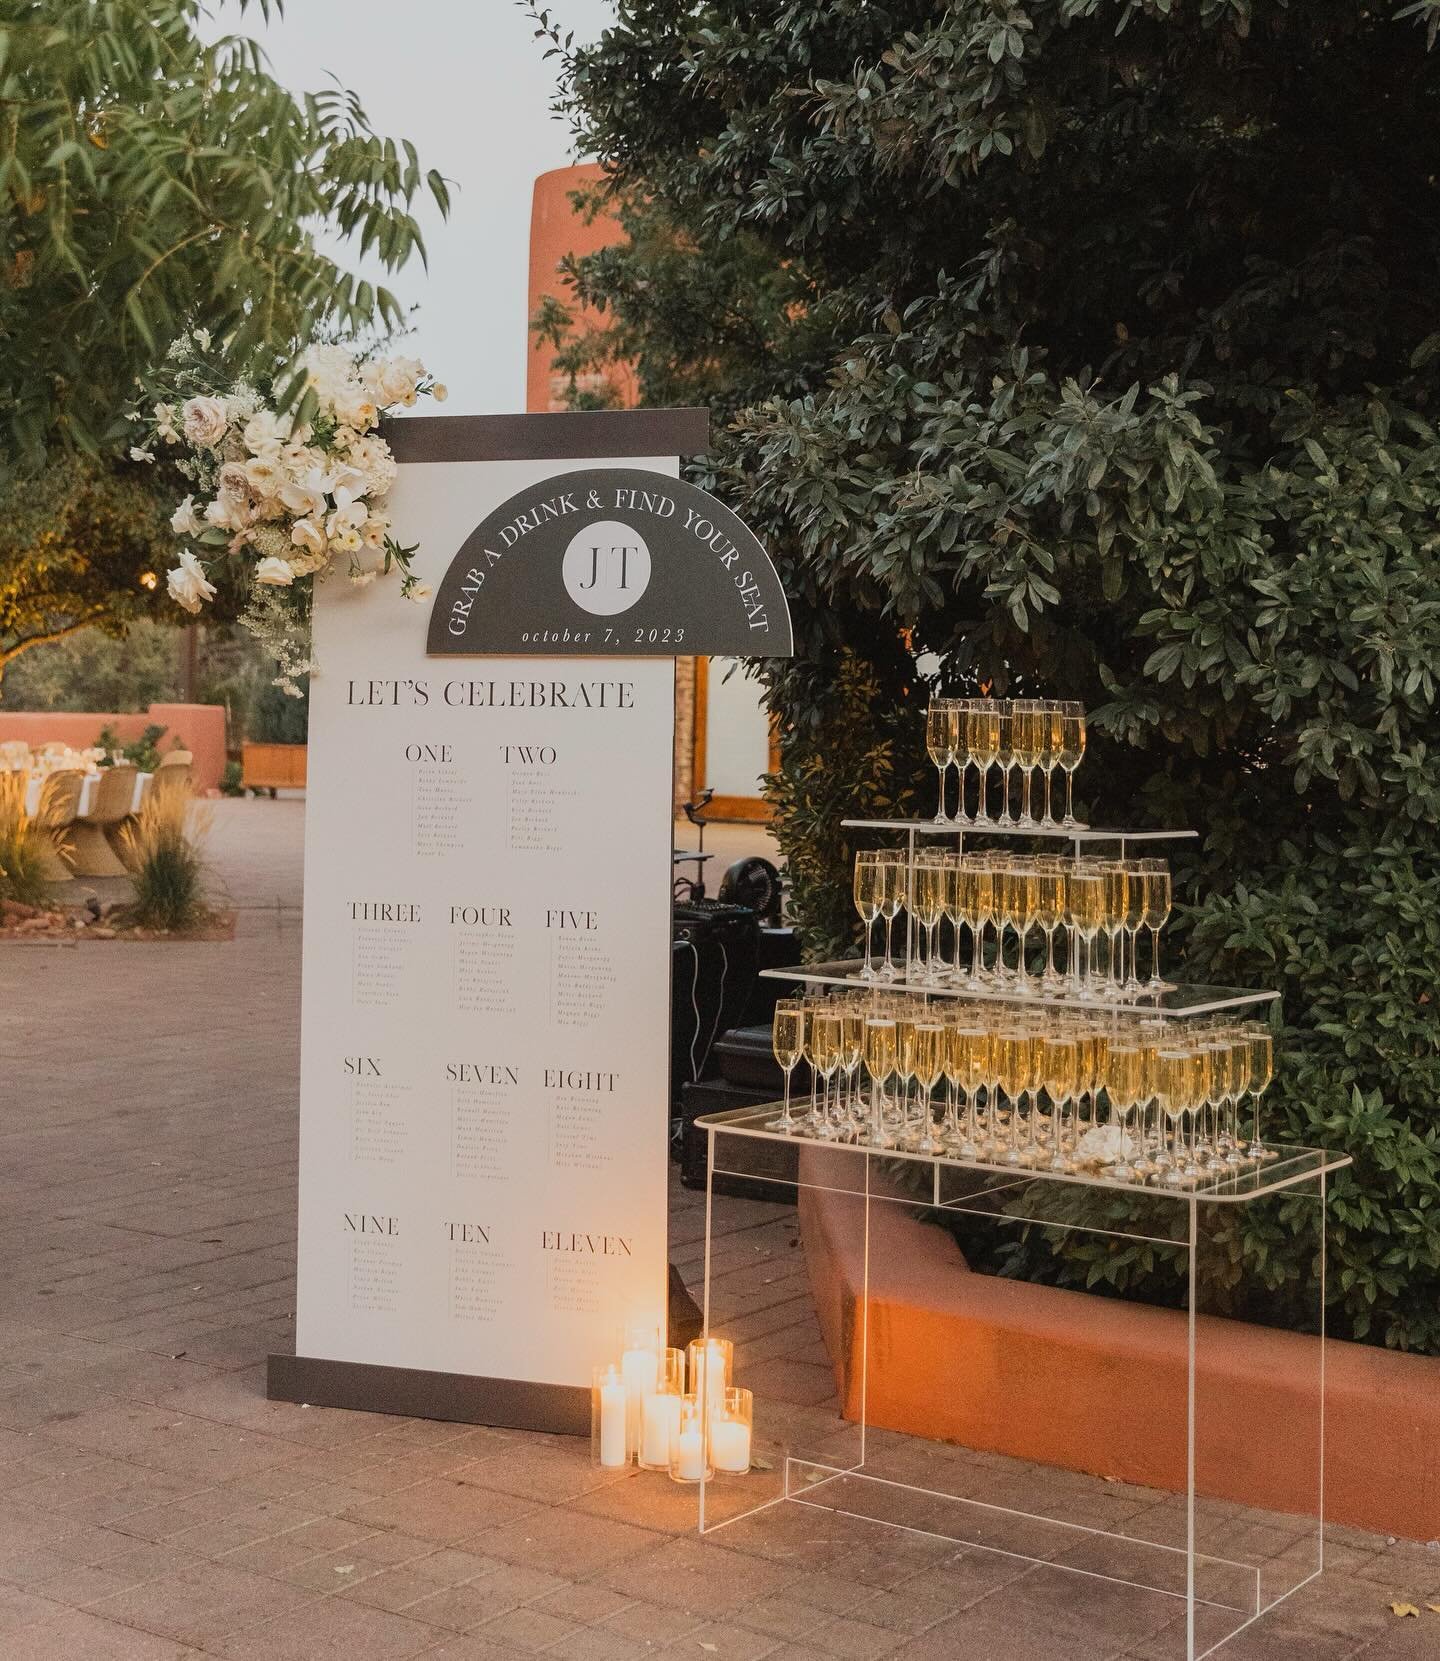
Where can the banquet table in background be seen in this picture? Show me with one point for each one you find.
(87, 792)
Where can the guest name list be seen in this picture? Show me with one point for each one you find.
(486, 990)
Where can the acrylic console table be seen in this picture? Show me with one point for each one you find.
(1188, 1412)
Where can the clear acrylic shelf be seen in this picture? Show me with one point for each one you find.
(950, 1189)
(1179, 1001)
(1057, 833)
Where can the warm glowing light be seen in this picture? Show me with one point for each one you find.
(148, 579)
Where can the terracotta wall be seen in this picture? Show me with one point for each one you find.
(555, 231)
(200, 726)
(1098, 1385)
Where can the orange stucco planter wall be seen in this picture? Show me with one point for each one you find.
(1091, 1384)
(200, 726)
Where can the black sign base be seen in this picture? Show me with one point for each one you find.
(510, 1404)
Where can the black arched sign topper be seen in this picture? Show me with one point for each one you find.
(611, 559)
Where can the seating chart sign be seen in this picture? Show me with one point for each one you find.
(486, 999)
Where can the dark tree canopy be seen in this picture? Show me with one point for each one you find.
(1091, 346)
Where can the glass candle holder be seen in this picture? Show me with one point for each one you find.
(688, 1456)
(731, 1433)
(660, 1412)
(711, 1361)
(609, 1418)
(640, 1369)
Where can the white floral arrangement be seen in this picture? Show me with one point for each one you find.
(280, 494)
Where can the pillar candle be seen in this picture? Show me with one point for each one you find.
(690, 1452)
(640, 1369)
(730, 1445)
(614, 1403)
(661, 1423)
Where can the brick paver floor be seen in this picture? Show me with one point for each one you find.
(154, 1506)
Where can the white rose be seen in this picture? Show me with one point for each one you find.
(308, 536)
(275, 573)
(185, 521)
(393, 380)
(265, 432)
(204, 421)
(188, 584)
(232, 480)
(356, 410)
(264, 476)
(227, 512)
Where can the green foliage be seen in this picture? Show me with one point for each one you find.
(277, 718)
(142, 752)
(149, 177)
(1088, 348)
(151, 180)
(230, 784)
(94, 670)
(82, 544)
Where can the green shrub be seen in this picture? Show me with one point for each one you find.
(230, 784)
(1058, 347)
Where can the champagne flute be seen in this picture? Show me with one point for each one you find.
(969, 1056)
(891, 897)
(1124, 1080)
(927, 906)
(1049, 908)
(867, 903)
(1028, 718)
(925, 1047)
(1086, 888)
(1012, 1068)
(1134, 922)
(1005, 759)
(1072, 753)
(1174, 1078)
(852, 1044)
(824, 1046)
(1261, 1070)
(939, 747)
(1113, 874)
(982, 741)
(1053, 733)
(1155, 877)
(952, 907)
(788, 1038)
(1061, 1076)
(960, 745)
(881, 1053)
(985, 899)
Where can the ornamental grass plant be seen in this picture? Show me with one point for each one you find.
(22, 876)
(163, 846)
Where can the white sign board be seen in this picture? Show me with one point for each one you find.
(486, 1015)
